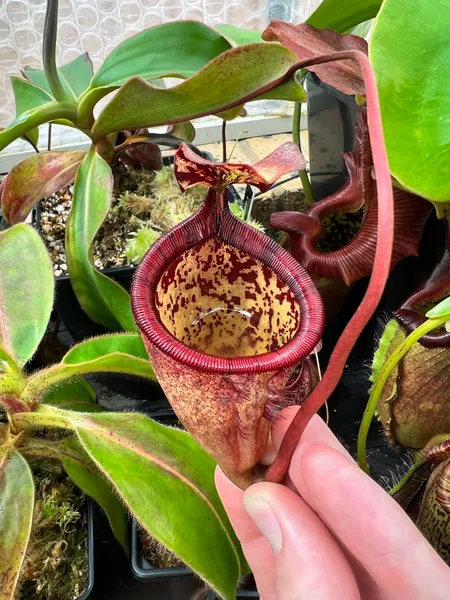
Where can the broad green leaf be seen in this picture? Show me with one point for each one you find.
(239, 74)
(74, 394)
(119, 353)
(363, 29)
(410, 55)
(177, 49)
(27, 97)
(88, 478)
(342, 15)
(99, 347)
(26, 291)
(101, 298)
(291, 90)
(440, 310)
(35, 178)
(75, 76)
(167, 482)
(239, 35)
(16, 517)
(29, 120)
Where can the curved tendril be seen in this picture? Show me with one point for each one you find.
(380, 272)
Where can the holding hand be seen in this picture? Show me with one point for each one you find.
(330, 533)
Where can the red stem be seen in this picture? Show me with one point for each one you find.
(380, 272)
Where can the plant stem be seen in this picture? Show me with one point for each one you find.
(224, 141)
(49, 51)
(309, 196)
(380, 271)
(378, 385)
(49, 139)
(421, 460)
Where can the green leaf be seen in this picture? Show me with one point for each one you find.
(239, 75)
(119, 353)
(182, 131)
(440, 310)
(99, 347)
(101, 298)
(75, 394)
(167, 482)
(16, 517)
(27, 97)
(414, 93)
(29, 120)
(342, 15)
(26, 291)
(7, 362)
(177, 49)
(75, 76)
(88, 478)
(239, 35)
(34, 178)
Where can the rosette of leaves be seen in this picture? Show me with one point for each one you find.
(68, 95)
(128, 463)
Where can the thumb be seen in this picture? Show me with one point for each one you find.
(309, 562)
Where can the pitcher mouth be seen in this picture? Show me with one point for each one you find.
(201, 227)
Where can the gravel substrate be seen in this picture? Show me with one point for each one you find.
(141, 201)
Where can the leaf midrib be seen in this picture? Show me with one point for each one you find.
(97, 429)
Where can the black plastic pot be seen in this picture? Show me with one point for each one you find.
(331, 120)
(145, 572)
(90, 545)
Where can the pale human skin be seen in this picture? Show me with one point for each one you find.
(330, 533)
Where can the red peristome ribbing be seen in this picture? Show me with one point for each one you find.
(203, 226)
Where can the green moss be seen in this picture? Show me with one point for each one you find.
(139, 243)
(56, 562)
(238, 212)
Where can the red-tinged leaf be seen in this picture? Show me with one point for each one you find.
(35, 178)
(191, 169)
(26, 291)
(146, 155)
(351, 214)
(435, 288)
(16, 516)
(166, 481)
(308, 42)
(135, 148)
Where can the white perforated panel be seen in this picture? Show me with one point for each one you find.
(98, 26)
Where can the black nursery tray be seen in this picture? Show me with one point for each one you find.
(90, 549)
(145, 572)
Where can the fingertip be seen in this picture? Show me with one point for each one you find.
(223, 485)
(282, 423)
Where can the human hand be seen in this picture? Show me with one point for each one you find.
(330, 533)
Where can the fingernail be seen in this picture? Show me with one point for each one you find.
(265, 520)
